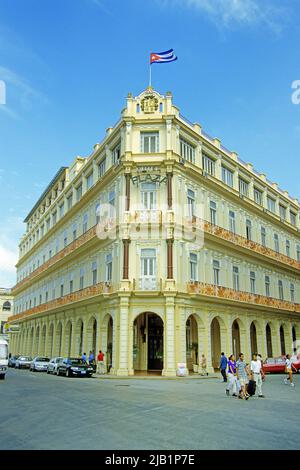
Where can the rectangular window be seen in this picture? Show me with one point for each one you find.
(298, 252)
(85, 223)
(54, 217)
(111, 202)
(292, 218)
(46, 296)
(216, 272)
(148, 268)
(42, 230)
(62, 289)
(236, 280)
(288, 248)
(243, 187)
(232, 221)
(79, 192)
(191, 202)
(116, 154)
(148, 196)
(271, 204)
(149, 142)
(81, 278)
(227, 176)
(252, 282)
(248, 229)
(65, 238)
(102, 167)
(71, 286)
(276, 242)
(280, 290)
(97, 212)
(187, 151)
(61, 210)
(267, 286)
(74, 231)
(258, 196)
(263, 236)
(48, 224)
(89, 181)
(69, 201)
(213, 212)
(208, 165)
(94, 273)
(108, 261)
(282, 212)
(193, 267)
(292, 292)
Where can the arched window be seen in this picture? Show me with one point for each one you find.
(6, 306)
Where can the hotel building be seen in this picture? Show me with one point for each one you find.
(160, 246)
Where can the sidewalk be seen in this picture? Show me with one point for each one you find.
(155, 377)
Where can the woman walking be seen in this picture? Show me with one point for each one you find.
(289, 366)
(232, 384)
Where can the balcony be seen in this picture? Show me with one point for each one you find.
(149, 283)
(146, 216)
(83, 294)
(227, 293)
(243, 242)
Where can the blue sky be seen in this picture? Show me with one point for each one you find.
(69, 64)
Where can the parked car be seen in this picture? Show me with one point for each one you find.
(273, 365)
(12, 361)
(74, 366)
(23, 362)
(39, 364)
(52, 366)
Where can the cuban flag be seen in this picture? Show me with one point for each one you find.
(162, 57)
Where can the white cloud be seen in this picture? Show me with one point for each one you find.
(11, 230)
(231, 13)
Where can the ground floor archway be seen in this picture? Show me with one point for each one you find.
(236, 339)
(148, 343)
(253, 339)
(215, 337)
(192, 346)
(269, 341)
(282, 342)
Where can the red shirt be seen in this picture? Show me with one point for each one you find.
(100, 356)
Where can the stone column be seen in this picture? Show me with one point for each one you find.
(126, 258)
(123, 336)
(170, 259)
(288, 338)
(169, 189)
(169, 338)
(127, 192)
(46, 349)
(74, 339)
(276, 346)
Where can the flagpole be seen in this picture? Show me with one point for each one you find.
(150, 78)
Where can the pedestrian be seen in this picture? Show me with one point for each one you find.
(100, 362)
(91, 358)
(263, 376)
(223, 366)
(256, 367)
(241, 373)
(203, 365)
(83, 357)
(232, 385)
(289, 366)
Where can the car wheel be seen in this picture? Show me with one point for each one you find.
(68, 373)
(58, 372)
(2, 376)
(48, 371)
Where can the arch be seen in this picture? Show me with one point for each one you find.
(269, 341)
(92, 334)
(42, 349)
(79, 337)
(36, 341)
(215, 338)
(58, 345)
(236, 338)
(68, 338)
(50, 339)
(253, 338)
(148, 343)
(192, 343)
(6, 306)
(31, 340)
(282, 342)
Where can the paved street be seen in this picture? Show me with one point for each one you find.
(39, 411)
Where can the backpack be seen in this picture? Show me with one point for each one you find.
(251, 387)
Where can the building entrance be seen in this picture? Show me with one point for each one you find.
(155, 343)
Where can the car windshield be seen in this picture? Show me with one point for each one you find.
(25, 358)
(42, 359)
(3, 351)
(76, 362)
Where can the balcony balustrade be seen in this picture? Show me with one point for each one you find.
(211, 290)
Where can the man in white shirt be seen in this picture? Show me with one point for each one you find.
(255, 367)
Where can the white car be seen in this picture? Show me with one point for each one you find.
(39, 364)
(53, 363)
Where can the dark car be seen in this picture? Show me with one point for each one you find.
(74, 366)
(12, 361)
